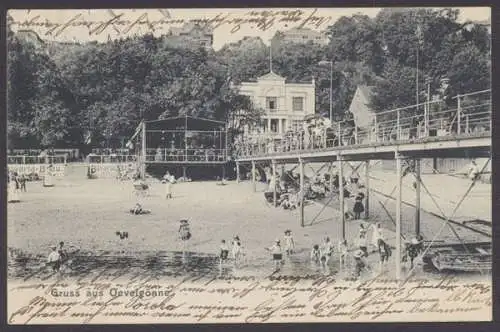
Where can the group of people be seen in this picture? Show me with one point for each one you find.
(16, 185)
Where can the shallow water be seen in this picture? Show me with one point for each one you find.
(177, 263)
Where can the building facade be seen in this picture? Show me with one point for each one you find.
(285, 104)
(359, 107)
(191, 34)
(301, 36)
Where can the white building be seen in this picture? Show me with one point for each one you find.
(285, 104)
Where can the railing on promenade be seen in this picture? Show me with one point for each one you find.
(30, 160)
(110, 159)
(186, 155)
(467, 114)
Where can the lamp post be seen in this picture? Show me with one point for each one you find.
(322, 63)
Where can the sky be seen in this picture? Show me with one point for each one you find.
(102, 25)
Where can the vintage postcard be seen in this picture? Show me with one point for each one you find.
(249, 165)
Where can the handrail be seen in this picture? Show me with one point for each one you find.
(435, 118)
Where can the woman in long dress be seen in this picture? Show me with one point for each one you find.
(13, 189)
(47, 179)
(167, 180)
(377, 234)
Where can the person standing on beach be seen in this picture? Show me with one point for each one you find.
(167, 180)
(224, 253)
(343, 250)
(277, 253)
(236, 251)
(184, 233)
(289, 242)
(326, 251)
(315, 254)
(54, 259)
(377, 234)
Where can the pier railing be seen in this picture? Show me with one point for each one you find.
(464, 115)
(186, 155)
(31, 160)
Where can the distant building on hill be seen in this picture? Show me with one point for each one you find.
(301, 36)
(285, 104)
(191, 34)
(360, 109)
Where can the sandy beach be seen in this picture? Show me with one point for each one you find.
(88, 213)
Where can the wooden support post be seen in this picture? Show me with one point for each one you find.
(417, 197)
(144, 154)
(273, 181)
(253, 177)
(367, 186)
(223, 173)
(184, 172)
(237, 172)
(341, 194)
(331, 178)
(398, 215)
(301, 169)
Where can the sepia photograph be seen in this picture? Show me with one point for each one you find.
(251, 165)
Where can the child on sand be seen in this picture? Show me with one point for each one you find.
(326, 251)
(277, 253)
(385, 252)
(289, 242)
(224, 252)
(54, 259)
(236, 251)
(343, 250)
(184, 232)
(315, 254)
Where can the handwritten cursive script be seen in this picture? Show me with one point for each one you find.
(106, 297)
(125, 23)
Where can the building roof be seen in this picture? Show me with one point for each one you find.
(366, 90)
(271, 76)
(186, 122)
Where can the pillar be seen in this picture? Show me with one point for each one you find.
(341, 193)
(367, 186)
(331, 178)
(253, 177)
(269, 125)
(301, 169)
(417, 197)
(223, 172)
(184, 172)
(143, 161)
(273, 180)
(237, 172)
(398, 215)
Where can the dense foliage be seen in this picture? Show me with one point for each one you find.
(98, 93)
